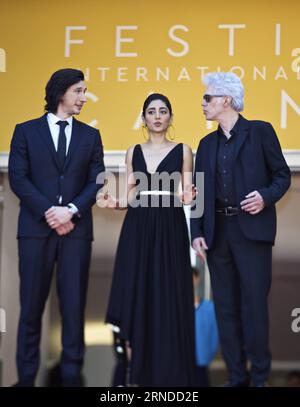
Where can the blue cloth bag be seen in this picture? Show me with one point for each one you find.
(207, 337)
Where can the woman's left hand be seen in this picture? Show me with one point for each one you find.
(189, 194)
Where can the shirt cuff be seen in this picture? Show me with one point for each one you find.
(73, 209)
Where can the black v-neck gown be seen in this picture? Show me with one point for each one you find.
(151, 298)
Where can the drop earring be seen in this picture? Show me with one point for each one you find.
(145, 132)
(171, 132)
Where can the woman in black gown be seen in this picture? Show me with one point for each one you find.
(151, 298)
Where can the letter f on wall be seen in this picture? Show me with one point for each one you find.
(2, 60)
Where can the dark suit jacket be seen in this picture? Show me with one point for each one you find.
(38, 181)
(259, 165)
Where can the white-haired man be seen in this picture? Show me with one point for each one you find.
(245, 174)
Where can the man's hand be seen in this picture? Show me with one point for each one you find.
(199, 245)
(58, 215)
(65, 228)
(253, 204)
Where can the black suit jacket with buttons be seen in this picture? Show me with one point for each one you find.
(38, 180)
(259, 165)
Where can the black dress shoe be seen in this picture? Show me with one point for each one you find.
(72, 382)
(237, 384)
(24, 383)
(263, 384)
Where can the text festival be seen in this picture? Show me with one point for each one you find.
(124, 35)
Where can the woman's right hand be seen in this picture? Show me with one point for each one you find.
(106, 200)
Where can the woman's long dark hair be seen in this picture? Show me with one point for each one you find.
(156, 96)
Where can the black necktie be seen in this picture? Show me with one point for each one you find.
(62, 141)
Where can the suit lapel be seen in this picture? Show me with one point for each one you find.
(75, 140)
(243, 132)
(46, 134)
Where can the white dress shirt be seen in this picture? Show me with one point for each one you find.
(54, 130)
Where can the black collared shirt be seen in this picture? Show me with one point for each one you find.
(225, 188)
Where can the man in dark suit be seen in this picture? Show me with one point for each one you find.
(53, 165)
(245, 174)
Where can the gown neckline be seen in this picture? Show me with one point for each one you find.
(151, 173)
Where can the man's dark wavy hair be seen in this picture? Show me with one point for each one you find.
(58, 84)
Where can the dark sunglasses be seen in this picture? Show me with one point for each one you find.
(208, 98)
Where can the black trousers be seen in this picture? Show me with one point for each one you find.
(241, 278)
(37, 258)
